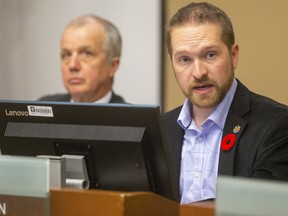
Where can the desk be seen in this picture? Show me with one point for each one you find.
(75, 202)
(72, 202)
(205, 208)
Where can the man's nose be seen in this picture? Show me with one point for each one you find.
(74, 64)
(199, 70)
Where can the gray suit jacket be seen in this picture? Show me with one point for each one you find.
(66, 98)
(261, 147)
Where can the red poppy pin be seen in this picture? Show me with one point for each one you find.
(228, 142)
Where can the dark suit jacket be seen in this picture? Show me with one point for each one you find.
(261, 147)
(66, 98)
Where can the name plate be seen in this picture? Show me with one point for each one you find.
(21, 205)
(24, 186)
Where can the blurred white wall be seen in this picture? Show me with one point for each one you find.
(30, 32)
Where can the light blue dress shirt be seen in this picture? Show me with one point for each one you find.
(201, 150)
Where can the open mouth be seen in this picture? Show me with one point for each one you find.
(203, 87)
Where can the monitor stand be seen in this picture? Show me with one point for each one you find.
(68, 171)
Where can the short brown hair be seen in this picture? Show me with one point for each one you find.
(202, 13)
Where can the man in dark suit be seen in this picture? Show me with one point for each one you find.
(90, 57)
(222, 127)
(67, 98)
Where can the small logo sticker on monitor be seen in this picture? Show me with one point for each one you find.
(44, 111)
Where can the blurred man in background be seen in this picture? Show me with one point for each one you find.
(90, 57)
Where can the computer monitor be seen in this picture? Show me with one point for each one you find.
(124, 145)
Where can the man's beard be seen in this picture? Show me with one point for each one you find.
(209, 100)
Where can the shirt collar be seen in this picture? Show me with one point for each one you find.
(105, 99)
(218, 116)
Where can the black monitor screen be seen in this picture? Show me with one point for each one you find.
(124, 145)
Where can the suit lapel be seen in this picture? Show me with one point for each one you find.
(227, 158)
(175, 155)
(176, 135)
(239, 106)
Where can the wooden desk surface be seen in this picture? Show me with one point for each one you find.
(110, 203)
(204, 208)
(75, 202)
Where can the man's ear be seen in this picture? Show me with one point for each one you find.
(114, 65)
(235, 55)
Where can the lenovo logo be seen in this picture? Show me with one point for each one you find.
(16, 113)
